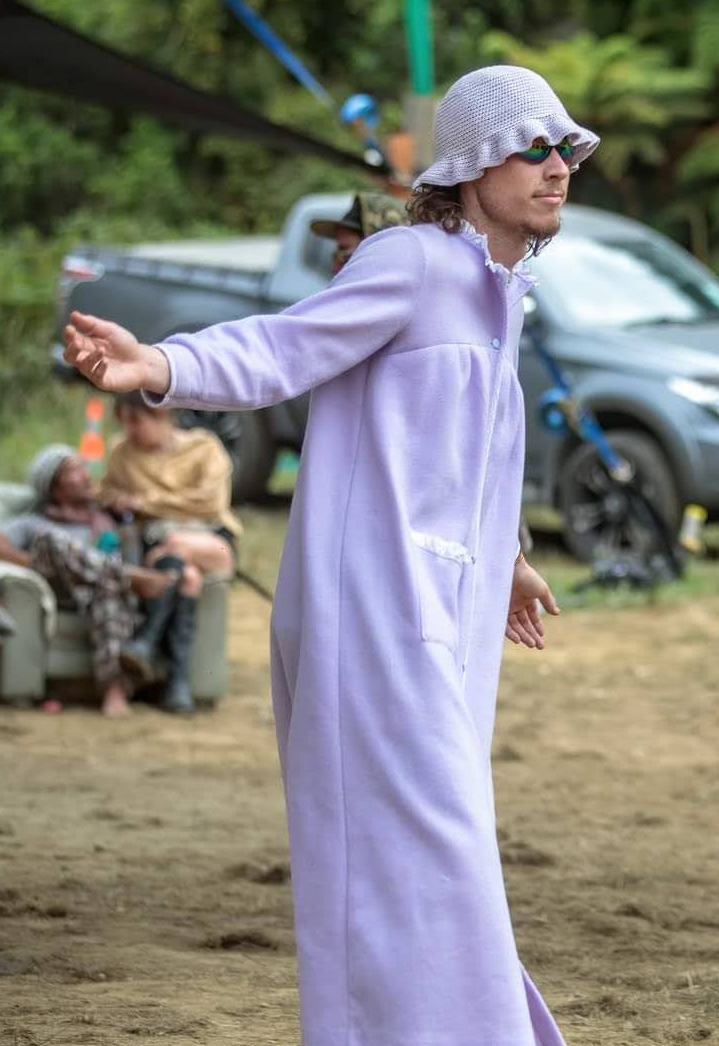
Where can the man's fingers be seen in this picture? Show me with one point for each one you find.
(72, 343)
(524, 636)
(529, 624)
(533, 617)
(92, 363)
(77, 346)
(549, 602)
(93, 357)
(92, 326)
(96, 367)
(87, 360)
(526, 639)
(512, 635)
(81, 351)
(524, 622)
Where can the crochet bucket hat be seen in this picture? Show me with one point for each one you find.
(491, 113)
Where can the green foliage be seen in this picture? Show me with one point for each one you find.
(625, 90)
(701, 163)
(705, 38)
(144, 177)
(51, 412)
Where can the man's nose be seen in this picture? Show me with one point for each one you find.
(555, 167)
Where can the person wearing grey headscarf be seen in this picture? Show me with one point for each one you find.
(64, 538)
(64, 500)
(45, 467)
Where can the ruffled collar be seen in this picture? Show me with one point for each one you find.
(479, 239)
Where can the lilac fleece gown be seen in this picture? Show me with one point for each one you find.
(387, 632)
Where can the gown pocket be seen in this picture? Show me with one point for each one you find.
(440, 566)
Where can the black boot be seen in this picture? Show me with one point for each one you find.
(138, 655)
(178, 640)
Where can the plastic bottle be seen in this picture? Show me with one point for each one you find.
(691, 533)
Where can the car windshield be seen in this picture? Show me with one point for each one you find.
(626, 283)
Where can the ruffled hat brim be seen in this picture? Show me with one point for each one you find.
(470, 164)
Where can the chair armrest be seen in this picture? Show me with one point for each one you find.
(12, 576)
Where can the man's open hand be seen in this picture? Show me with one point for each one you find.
(529, 590)
(112, 358)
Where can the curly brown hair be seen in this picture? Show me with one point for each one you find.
(436, 204)
(440, 205)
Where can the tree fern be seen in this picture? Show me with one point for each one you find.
(706, 35)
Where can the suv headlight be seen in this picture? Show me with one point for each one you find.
(706, 396)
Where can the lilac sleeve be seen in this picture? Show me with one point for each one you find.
(260, 360)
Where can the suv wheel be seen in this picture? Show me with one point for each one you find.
(597, 517)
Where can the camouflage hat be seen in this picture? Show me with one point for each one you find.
(370, 212)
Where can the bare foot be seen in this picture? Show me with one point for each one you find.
(149, 584)
(115, 704)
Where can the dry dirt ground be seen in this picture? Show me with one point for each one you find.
(143, 877)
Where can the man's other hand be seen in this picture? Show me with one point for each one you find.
(529, 591)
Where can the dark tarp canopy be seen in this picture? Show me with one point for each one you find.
(39, 53)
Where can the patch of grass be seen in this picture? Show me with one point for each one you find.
(562, 573)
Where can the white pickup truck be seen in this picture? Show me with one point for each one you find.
(160, 289)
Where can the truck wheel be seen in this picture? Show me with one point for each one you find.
(254, 450)
(246, 439)
(597, 516)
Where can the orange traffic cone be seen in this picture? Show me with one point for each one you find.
(92, 443)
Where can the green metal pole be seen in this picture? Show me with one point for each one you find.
(418, 27)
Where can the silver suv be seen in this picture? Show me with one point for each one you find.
(633, 321)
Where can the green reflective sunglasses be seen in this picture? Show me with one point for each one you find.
(539, 151)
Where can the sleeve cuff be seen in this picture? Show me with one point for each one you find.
(154, 399)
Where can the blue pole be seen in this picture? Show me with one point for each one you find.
(281, 52)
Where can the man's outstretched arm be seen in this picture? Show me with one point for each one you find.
(261, 360)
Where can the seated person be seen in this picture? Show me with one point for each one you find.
(177, 484)
(370, 212)
(61, 539)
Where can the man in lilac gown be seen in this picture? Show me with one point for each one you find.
(400, 574)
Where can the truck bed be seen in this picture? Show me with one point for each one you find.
(240, 265)
(246, 253)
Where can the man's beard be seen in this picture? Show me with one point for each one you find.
(541, 231)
